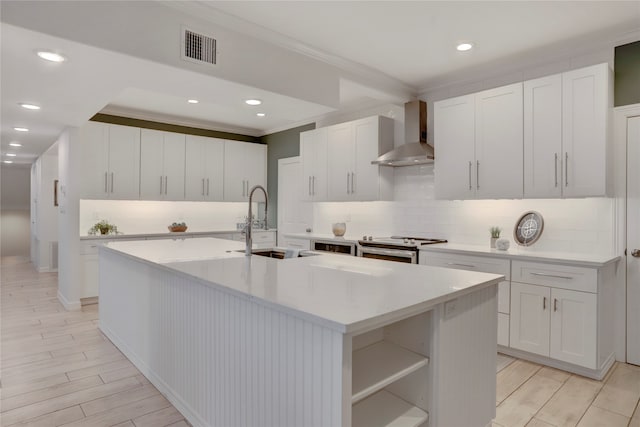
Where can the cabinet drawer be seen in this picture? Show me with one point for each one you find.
(90, 247)
(264, 237)
(466, 262)
(556, 276)
(291, 242)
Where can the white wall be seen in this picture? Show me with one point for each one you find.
(44, 212)
(14, 210)
(140, 217)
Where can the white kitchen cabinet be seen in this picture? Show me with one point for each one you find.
(352, 146)
(484, 265)
(478, 145)
(565, 133)
(204, 168)
(586, 100)
(162, 165)
(245, 165)
(313, 155)
(295, 243)
(557, 323)
(111, 161)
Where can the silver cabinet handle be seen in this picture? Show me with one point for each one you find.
(461, 265)
(635, 253)
(203, 186)
(556, 168)
(552, 276)
(309, 191)
(470, 164)
(207, 186)
(106, 190)
(347, 182)
(566, 169)
(544, 303)
(478, 174)
(112, 182)
(166, 179)
(555, 304)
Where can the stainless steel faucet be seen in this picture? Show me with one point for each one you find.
(248, 229)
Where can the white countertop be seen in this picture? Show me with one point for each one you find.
(167, 234)
(346, 293)
(348, 238)
(525, 254)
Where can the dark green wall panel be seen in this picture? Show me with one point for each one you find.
(627, 74)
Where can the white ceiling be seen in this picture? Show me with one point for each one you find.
(409, 43)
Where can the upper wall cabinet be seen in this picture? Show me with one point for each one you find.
(565, 133)
(313, 153)
(351, 148)
(111, 161)
(204, 168)
(245, 166)
(161, 165)
(478, 145)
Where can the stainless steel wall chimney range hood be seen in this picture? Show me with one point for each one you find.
(416, 150)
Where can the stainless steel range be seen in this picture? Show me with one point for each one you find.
(394, 248)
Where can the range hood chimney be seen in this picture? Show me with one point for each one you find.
(416, 150)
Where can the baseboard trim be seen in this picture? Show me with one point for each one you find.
(184, 408)
(88, 301)
(596, 374)
(69, 305)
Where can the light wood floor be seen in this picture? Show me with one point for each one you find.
(58, 369)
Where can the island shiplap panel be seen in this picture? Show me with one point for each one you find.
(221, 359)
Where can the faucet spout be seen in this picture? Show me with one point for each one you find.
(249, 227)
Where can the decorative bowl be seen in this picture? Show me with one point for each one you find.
(339, 228)
(177, 228)
(502, 244)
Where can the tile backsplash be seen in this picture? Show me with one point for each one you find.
(570, 225)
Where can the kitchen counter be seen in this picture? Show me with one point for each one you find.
(525, 254)
(319, 236)
(328, 339)
(167, 234)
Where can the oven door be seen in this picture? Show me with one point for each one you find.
(398, 255)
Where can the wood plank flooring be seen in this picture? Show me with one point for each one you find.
(57, 369)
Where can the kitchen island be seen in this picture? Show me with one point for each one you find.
(326, 340)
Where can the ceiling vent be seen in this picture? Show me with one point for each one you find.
(198, 47)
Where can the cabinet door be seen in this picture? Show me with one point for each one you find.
(235, 184)
(214, 169)
(308, 158)
(195, 163)
(255, 156)
(543, 137)
(340, 152)
(173, 165)
(319, 179)
(530, 318)
(365, 178)
(454, 144)
(499, 143)
(151, 161)
(124, 162)
(574, 327)
(94, 139)
(585, 103)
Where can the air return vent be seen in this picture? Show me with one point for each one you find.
(198, 47)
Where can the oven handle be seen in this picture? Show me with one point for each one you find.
(390, 252)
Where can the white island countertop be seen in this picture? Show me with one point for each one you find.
(525, 254)
(346, 293)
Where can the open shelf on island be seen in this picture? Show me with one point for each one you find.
(380, 364)
(385, 409)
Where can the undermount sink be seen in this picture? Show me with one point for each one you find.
(279, 253)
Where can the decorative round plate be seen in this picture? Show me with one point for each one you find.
(528, 228)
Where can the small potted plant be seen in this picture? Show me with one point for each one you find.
(495, 235)
(103, 227)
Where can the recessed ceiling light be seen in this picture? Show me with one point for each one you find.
(29, 106)
(51, 56)
(15, 144)
(463, 47)
(192, 101)
(253, 101)
(8, 161)
(19, 129)
(11, 154)
(260, 114)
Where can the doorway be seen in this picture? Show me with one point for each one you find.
(633, 239)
